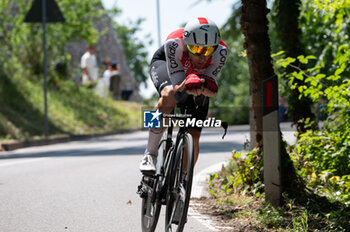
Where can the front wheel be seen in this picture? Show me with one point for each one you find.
(180, 184)
(150, 208)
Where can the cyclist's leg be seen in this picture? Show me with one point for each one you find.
(198, 111)
(195, 135)
(165, 104)
(166, 101)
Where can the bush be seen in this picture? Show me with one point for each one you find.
(244, 174)
(322, 157)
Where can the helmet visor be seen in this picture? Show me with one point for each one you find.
(200, 50)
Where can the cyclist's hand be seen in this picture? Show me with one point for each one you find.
(193, 85)
(180, 87)
(197, 92)
(206, 92)
(192, 82)
(209, 88)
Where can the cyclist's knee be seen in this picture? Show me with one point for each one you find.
(196, 134)
(158, 130)
(168, 97)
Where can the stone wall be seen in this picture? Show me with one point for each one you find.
(108, 46)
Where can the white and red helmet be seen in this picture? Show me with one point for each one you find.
(201, 32)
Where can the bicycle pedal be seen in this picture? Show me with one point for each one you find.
(147, 180)
(141, 192)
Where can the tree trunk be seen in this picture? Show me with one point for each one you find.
(289, 34)
(254, 25)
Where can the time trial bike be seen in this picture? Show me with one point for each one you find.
(172, 183)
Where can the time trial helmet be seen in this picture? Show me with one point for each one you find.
(201, 36)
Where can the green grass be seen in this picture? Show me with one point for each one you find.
(306, 213)
(254, 214)
(72, 110)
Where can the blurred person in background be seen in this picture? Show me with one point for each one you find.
(107, 72)
(89, 67)
(115, 79)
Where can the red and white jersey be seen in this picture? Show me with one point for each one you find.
(179, 65)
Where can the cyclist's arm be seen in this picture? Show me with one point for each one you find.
(173, 53)
(218, 61)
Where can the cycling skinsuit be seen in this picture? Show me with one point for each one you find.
(171, 64)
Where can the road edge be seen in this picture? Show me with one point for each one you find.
(13, 145)
(199, 190)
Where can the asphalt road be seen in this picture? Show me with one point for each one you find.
(90, 185)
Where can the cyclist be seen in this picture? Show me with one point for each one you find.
(187, 64)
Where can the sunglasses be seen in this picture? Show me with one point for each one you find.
(200, 50)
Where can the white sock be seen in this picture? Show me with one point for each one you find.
(154, 136)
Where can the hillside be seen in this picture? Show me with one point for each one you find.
(73, 110)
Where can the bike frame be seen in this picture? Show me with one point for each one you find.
(155, 188)
(169, 156)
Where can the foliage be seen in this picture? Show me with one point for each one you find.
(134, 49)
(288, 36)
(232, 101)
(152, 101)
(322, 156)
(322, 159)
(294, 217)
(325, 27)
(24, 40)
(243, 174)
(251, 210)
(72, 109)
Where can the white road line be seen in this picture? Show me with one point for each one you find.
(203, 219)
(200, 180)
(23, 161)
(198, 190)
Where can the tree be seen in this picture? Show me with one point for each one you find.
(135, 50)
(322, 156)
(254, 26)
(22, 42)
(288, 32)
(257, 43)
(232, 102)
